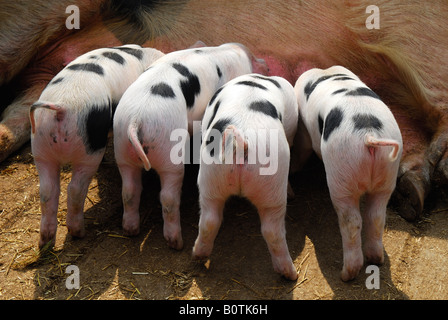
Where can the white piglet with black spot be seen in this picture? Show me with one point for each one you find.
(169, 96)
(247, 131)
(70, 124)
(359, 141)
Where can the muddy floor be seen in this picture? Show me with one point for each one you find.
(112, 266)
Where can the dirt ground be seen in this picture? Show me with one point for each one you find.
(114, 267)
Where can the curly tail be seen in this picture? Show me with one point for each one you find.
(133, 138)
(373, 142)
(60, 112)
(233, 141)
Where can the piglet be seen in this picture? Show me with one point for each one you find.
(70, 124)
(247, 131)
(169, 96)
(360, 144)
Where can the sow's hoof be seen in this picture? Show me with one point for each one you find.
(410, 193)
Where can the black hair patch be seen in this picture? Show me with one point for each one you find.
(113, 105)
(191, 87)
(275, 82)
(265, 107)
(363, 91)
(89, 67)
(222, 124)
(321, 124)
(215, 110)
(214, 96)
(252, 84)
(115, 57)
(310, 86)
(218, 71)
(343, 78)
(132, 51)
(332, 122)
(97, 125)
(55, 81)
(367, 121)
(339, 91)
(183, 70)
(163, 89)
(219, 125)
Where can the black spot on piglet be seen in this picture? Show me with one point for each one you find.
(97, 124)
(219, 125)
(252, 84)
(367, 121)
(310, 86)
(214, 96)
(163, 89)
(332, 122)
(321, 124)
(190, 87)
(275, 82)
(265, 107)
(89, 67)
(363, 91)
(115, 57)
(135, 52)
(215, 110)
(55, 81)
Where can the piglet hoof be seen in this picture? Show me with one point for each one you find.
(175, 242)
(286, 269)
(199, 253)
(46, 242)
(348, 274)
(289, 273)
(131, 228)
(410, 194)
(374, 255)
(375, 259)
(199, 257)
(77, 232)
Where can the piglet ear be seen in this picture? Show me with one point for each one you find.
(260, 66)
(198, 44)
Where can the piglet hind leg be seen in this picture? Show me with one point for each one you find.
(77, 189)
(374, 218)
(49, 200)
(170, 196)
(350, 224)
(274, 233)
(131, 192)
(209, 224)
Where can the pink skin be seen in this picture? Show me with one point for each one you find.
(84, 168)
